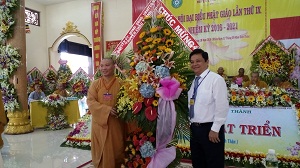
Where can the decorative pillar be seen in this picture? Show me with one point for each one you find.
(19, 120)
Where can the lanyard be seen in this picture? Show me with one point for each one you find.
(196, 88)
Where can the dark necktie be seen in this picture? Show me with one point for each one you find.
(196, 81)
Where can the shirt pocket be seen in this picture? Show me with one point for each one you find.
(204, 97)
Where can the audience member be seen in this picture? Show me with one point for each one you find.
(277, 82)
(240, 78)
(255, 81)
(61, 90)
(37, 94)
(221, 73)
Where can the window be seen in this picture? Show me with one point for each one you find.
(32, 17)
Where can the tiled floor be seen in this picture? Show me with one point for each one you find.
(41, 149)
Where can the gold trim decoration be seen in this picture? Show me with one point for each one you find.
(70, 28)
(18, 123)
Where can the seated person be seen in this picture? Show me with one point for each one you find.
(37, 94)
(221, 73)
(255, 81)
(61, 90)
(240, 78)
(277, 82)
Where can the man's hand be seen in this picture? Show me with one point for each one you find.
(113, 112)
(214, 136)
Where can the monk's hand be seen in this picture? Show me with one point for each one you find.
(214, 137)
(113, 112)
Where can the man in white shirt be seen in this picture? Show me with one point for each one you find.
(208, 104)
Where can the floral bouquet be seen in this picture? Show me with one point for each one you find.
(56, 118)
(80, 137)
(7, 21)
(154, 88)
(253, 96)
(270, 61)
(79, 83)
(139, 149)
(51, 75)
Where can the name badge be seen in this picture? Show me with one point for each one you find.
(107, 96)
(192, 101)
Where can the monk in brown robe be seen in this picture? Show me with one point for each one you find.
(277, 82)
(61, 90)
(255, 81)
(108, 131)
(3, 120)
(240, 78)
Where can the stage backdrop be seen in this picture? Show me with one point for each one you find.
(230, 29)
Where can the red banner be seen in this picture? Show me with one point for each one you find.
(173, 22)
(136, 27)
(111, 45)
(97, 32)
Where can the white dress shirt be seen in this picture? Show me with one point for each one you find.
(211, 104)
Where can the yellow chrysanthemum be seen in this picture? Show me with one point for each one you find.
(149, 39)
(153, 30)
(155, 103)
(169, 43)
(260, 98)
(144, 78)
(149, 134)
(145, 48)
(139, 42)
(133, 151)
(242, 99)
(157, 95)
(157, 40)
(168, 50)
(167, 32)
(251, 99)
(147, 17)
(160, 16)
(151, 46)
(142, 35)
(161, 48)
(132, 64)
(233, 98)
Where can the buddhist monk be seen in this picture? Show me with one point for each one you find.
(61, 90)
(255, 81)
(277, 82)
(240, 78)
(108, 131)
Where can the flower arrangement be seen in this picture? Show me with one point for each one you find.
(247, 159)
(295, 75)
(56, 118)
(79, 84)
(80, 136)
(139, 149)
(271, 61)
(64, 73)
(51, 75)
(9, 62)
(6, 19)
(153, 82)
(253, 96)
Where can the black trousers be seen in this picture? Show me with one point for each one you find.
(206, 154)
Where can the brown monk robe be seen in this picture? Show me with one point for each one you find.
(3, 120)
(255, 81)
(61, 90)
(108, 131)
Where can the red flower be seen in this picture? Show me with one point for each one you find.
(137, 107)
(151, 113)
(148, 101)
(297, 105)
